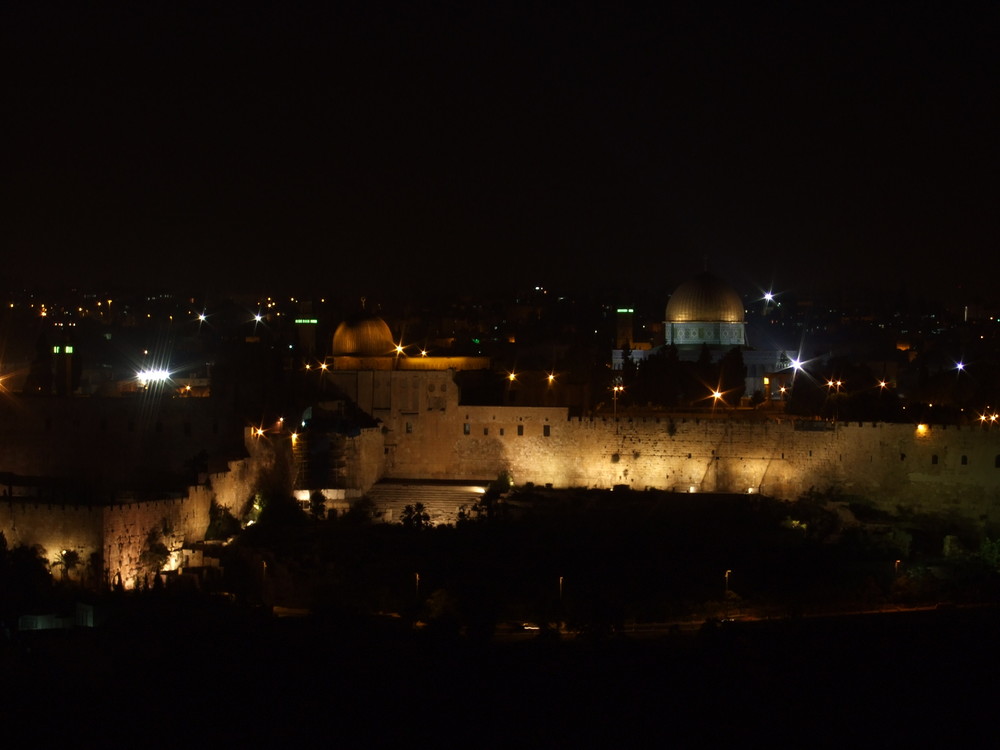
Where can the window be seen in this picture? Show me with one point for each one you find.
(934, 459)
(409, 428)
(520, 429)
(501, 434)
(965, 460)
(486, 430)
(467, 429)
(545, 430)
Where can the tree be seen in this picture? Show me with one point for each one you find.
(154, 553)
(317, 505)
(68, 560)
(28, 578)
(415, 517)
(222, 524)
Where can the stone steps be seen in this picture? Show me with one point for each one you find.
(441, 501)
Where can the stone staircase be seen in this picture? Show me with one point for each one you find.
(441, 500)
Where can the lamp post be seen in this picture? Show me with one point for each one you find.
(725, 596)
(615, 390)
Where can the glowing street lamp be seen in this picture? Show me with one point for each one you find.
(615, 390)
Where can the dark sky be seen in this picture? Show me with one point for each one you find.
(418, 145)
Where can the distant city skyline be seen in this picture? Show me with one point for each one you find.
(415, 147)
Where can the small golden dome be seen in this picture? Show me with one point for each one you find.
(363, 336)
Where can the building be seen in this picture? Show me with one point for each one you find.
(706, 314)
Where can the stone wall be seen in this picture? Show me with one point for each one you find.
(121, 529)
(54, 527)
(924, 469)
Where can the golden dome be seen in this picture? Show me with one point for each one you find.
(363, 336)
(705, 298)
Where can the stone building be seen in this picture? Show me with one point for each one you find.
(707, 314)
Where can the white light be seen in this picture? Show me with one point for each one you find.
(145, 377)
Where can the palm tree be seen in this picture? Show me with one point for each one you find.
(415, 517)
(69, 559)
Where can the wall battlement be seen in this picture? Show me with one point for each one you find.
(935, 468)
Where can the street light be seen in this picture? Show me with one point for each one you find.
(615, 390)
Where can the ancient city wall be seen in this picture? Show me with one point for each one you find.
(120, 530)
(52, 526)
(923, 469)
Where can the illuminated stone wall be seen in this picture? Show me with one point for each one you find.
(120, 531)
(939, 470)
(53, 527)
(127, 528)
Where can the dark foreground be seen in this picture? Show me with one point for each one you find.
(218, 678)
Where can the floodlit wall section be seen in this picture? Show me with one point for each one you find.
(923, 469)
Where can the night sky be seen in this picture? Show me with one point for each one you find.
(399, 147)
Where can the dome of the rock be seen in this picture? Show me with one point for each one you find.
(705, 299)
